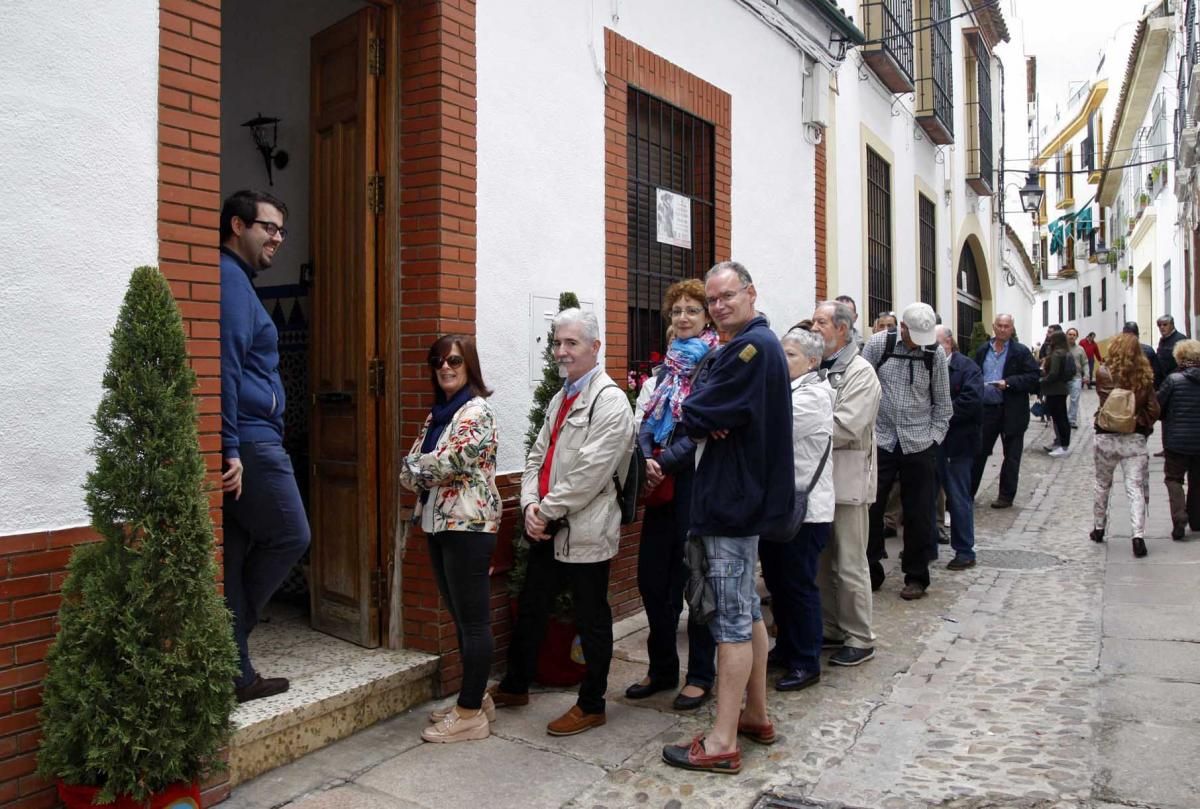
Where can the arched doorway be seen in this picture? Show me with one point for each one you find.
(970, 297)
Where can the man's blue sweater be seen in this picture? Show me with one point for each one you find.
(252, 398)
(745, 482)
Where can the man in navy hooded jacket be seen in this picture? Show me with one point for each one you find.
(266, 529)
(741, 416)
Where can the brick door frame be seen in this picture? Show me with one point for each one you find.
(628, 64)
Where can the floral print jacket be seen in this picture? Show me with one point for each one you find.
(460, 472)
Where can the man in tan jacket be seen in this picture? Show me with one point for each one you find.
(572, 520)
(843, 576)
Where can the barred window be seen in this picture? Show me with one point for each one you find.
(928, 240)
(879, 235)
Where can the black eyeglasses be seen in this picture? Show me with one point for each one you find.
(271, 228)
(436, 362)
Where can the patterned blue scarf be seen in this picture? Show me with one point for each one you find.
(666, 402)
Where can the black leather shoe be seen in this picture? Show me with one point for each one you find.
(851, 656)
(261, 687)
(639, 691)
(1097, 535)
(685, 703)
(797, 680)
(1000, 502)
(1178, 531)
(1139, 547)
(959, 563)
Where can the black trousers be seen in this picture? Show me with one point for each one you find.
(1185, 504)
(661, 575)
(460, 564)
(1056, 409)
(917, 473)
(1014, 445)
(588, 582)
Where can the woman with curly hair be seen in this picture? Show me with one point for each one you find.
(1126, 369)
(670, 461)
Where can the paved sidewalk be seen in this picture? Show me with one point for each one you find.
(1057, 674)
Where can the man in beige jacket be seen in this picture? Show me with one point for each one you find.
(843, 576)
(572, 520)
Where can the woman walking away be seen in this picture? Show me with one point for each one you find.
(790, 568)
(670, 462)
(1128, 409)
(452, 466)
(1056, 385)
(1179, 398)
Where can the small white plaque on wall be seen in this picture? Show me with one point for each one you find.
(542, 309)
(674, 214)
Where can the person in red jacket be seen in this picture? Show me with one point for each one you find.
(1088, 344)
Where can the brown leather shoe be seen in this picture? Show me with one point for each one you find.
(763, 734)
(574, 721)
(503, 699)
(261, 687)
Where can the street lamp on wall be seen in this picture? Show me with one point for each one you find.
(265, 132)
(1031, 195)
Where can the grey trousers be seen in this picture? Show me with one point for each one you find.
(844, 579)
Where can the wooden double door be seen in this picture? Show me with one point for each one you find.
(346, 584)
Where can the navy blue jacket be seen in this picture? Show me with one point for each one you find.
(252, 398)
(966, 393)
(1023, 375)
(745, 481)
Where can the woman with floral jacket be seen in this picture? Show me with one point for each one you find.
(452, 466)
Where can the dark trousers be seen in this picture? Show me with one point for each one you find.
(993, 428)
(266, 533)
(917, 473)
(588, 583)
(955, 476)
(1185, 508)
(1056, 409)
(661, 575)
(790, 572)
(460, 564)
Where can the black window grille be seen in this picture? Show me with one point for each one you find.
(979, 112)
(928, 234)
(1070, 306)
(1060, 308)
(1103, 294)
(943, 67)
(935, 69)
(879, 235)
(670, 149)
(1045, 313)
(1087, 301)
(970, 296)
(895, 30)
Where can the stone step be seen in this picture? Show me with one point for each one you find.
(337, 689)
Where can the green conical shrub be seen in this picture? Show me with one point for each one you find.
(140, 684)
(551, 381)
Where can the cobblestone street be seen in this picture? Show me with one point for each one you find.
(1058, 673)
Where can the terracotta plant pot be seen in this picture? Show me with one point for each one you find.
(556, 666)
(176, 796)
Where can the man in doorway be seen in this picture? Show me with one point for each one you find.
(1010, 375)
(855, 335)
(843, 578)
(914, 414)
(1166, 345)
(266, 529)
(741, 417)
(572, 520)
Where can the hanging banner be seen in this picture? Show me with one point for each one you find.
(674, 219)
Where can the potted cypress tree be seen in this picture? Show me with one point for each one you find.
(137, 700)
(560, 663)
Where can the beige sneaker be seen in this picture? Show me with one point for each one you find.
(489, 708)
(455, 728)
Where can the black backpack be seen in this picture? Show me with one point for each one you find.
(926, 356)
(635, 476)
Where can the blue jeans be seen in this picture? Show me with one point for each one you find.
(790, 571)
(266, 533)
(731, 562)
(1073, 388)
(955, 476)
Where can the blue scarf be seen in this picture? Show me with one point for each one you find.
(666, 402)
(441, 414)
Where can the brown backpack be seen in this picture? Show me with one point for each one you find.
(1118, 414)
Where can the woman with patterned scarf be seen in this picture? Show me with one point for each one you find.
(669, 468)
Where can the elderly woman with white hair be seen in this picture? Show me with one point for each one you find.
(790, 567)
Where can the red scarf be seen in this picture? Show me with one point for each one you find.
(544, 475)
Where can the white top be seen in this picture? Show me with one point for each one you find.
(812, 427)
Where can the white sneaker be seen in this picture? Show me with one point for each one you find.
(1059, 452)
(455, 728)
(489, 708)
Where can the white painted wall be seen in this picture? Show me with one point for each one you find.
(77, 214)
(541, 164)
(273, 81)
(863, 101)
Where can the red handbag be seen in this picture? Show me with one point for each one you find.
(664, 492)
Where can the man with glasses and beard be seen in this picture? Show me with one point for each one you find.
(266, 529)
